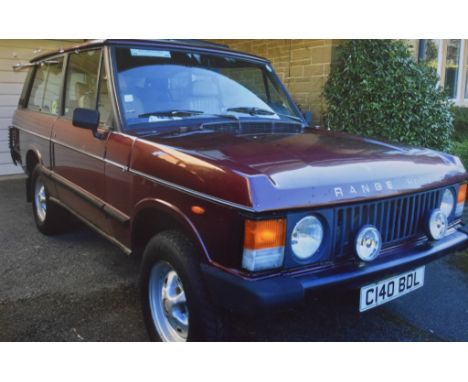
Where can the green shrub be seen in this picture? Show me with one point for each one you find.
(460, 122)
(460, 149)
(377, 89)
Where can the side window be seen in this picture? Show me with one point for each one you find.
(23, 101)
(81, 84)
(37, 89)
(45, 91)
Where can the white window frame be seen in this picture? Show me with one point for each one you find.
(459, 99)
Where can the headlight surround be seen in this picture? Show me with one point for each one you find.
(306, 237)
(437, 224)
(447, 203)
(368, 243)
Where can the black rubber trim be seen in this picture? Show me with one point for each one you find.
(114, 241)
(243, 295)
(96, 202)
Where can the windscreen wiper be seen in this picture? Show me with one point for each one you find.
(184, 113)
(260, 111)
(171, 113)
(291, 117)
(251, 110)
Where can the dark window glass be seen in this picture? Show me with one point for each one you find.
(452, 67)
(45, 91)
(82, 74)
(466, 80)
(252, 78)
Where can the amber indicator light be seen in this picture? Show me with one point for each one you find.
(259, 234)
(197, 210)
(461, 194)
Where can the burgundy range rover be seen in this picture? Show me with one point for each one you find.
(196, 157)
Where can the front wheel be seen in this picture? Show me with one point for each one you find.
(175, 304)
(168, 303)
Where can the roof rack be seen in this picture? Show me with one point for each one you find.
(18, 67)
(201, 44)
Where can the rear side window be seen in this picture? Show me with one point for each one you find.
(45, 90)
(81, 84)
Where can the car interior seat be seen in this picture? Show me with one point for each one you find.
(157, 95)
(205, 96)
(132, 105)
(84, 95)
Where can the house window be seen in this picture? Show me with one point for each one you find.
(431, 53)
(450, 59)
(452, 62)
(466, 80)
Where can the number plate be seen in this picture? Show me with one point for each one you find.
(387, 290)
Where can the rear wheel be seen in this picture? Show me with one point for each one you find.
(175, 303)
(50, 218)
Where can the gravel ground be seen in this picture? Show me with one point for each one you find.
(78, 287)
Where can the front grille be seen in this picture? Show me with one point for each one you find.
(398, 219)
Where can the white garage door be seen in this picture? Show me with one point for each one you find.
(11, 83)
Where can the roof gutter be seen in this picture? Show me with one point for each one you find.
(176, 44)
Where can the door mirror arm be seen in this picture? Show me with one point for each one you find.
(99, 134)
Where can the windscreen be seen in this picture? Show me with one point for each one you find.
(158, 86)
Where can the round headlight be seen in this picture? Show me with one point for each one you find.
(368, 243)
(437, 224)
(306, 237)
(448, 202)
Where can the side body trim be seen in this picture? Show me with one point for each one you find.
(127, 250)
(192, 192)
(32, 132)
(96, 202)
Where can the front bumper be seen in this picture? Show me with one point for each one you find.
(244, 295)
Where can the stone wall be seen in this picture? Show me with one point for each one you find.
(303, 66)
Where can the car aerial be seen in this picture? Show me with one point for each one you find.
(195, 157)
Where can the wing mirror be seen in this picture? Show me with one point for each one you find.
(308, 117)
(87, 119)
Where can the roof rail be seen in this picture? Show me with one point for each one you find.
(199, 43)
(18, 67)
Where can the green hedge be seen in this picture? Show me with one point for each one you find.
(460, 122)
(460, 146)
(377, 89)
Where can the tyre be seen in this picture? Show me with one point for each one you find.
(50, 218)
(174, 298)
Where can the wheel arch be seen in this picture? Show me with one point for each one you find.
(33, 158)
(152, 216)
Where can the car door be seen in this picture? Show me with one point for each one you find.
(117, 177)
(78, 156)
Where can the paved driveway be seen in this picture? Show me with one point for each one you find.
(78, 287)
